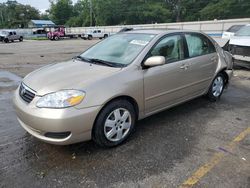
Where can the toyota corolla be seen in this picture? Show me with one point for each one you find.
(101, 93)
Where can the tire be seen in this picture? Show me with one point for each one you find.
(105, 36)
(90, 37)
(21, 39)
(114, 123)
(217, 87)
(6, 40)
(56, 38)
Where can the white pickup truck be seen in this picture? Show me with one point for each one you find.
(94, 34)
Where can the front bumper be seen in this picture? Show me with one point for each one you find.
(78, 123)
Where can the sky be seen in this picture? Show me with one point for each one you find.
(41, 5)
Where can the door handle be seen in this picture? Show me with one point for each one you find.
(184, 67)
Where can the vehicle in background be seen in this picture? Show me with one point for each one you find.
(98, 33)
(10, 36)
(125, 29)
(239, 47)
(61, 32)
(231, 31)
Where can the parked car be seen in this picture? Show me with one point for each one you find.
(10, 36)
(94, 34)
(231, 31)
(101, 93)
(239, 47)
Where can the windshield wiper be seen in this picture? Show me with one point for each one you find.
(107, 63)
(83, 59)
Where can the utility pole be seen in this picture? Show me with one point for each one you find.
(91, 12)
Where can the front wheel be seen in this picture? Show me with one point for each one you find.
(114, 124)
(6, 40)
(217, 87)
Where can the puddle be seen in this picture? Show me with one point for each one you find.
(3, 53)
(8, 79)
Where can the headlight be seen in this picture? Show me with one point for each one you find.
(61, 99)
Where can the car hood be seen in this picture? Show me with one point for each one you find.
(73, 74)
(240, 40)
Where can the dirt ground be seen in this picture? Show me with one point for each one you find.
(199, 141)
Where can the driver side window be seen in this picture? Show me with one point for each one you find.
(171, 47)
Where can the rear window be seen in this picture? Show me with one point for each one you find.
(235, 28)
(199, 45)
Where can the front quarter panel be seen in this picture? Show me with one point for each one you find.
(127, 82)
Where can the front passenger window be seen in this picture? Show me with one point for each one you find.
(171, 48)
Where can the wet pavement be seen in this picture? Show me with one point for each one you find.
(165, 150)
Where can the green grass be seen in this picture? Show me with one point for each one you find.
(37, 38)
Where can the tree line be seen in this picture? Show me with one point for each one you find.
(121, 12)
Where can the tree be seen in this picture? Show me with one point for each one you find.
(13, 14)
(223, 9)
(61, 11)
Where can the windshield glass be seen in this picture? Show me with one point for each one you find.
(235, 28)
(3, 32)
(244, 31)
(120, 48)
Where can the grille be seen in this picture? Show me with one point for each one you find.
(26, 93)
(61, 135)
(240, 50)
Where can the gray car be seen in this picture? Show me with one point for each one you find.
(101, 93)
(10, 36)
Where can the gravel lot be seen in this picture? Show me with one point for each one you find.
(165, 150)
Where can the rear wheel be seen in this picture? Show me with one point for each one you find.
(21, 39)
(217, 87)
(56, 38)
(6, 40)
(90, 37)
(105, 36)
(114, 124)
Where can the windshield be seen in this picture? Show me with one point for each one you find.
(244, 31)
(119, 49)
(3, 32)
(235, 28)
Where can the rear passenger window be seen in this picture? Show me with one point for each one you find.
(199, 45)
(171, 48)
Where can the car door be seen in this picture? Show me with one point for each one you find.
(166, 85)
(10, 36)
(202, 63)
(14, 36)
(99, 34)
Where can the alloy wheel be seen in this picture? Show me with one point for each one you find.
(218, 85)
(117, 124)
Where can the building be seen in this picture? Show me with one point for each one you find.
(40, 23)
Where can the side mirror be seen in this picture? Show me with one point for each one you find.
(155, 61)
